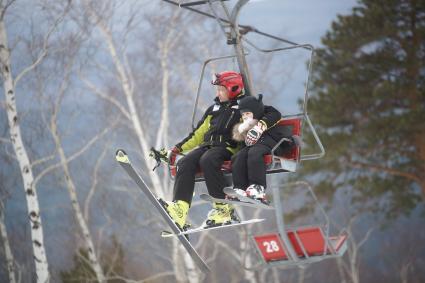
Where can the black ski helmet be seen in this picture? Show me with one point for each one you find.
(252, 104)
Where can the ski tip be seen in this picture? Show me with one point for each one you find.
(228, 190)
(167, 234)
(121, 156)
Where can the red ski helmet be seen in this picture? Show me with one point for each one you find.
(231, 80)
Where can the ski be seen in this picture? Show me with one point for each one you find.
(124, 161)
(231, 192)
(207, 197)
(166, 234)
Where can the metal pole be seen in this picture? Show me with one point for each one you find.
(236, 41)
(281, 224)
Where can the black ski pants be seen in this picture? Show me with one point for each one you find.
(248, 166)
(209, 159)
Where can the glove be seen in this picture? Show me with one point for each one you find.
(172, 154)
(255, 133)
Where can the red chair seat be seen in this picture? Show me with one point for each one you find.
(312, 240)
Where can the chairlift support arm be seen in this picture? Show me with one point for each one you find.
(236, 40)
(236, 33)
(244, 29)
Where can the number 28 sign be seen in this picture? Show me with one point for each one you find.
(270, 247)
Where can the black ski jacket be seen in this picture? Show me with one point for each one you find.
(215, 127)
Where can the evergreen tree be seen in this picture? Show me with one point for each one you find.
(368, 105)
(81, 272)
(112, 263)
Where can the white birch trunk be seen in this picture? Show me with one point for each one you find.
(163, 127)
(301, 275)
(340, 265)
(87, 238)
(191, 271)
(249, 275)
(178, 264)
(10, 262)
(127, 84)
(41, 265)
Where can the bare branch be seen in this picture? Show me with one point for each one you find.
(226, 248)
(9, 154)
(93, 186)
(148, 279)
(158, 275)
(4, 8)
(103, 95)
(45, 45)
(3, 140)
(42, 160)
(391, 171)
(73, 156)
(365, 238)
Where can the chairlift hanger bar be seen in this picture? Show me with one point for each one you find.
(195, 3)
(244, 28)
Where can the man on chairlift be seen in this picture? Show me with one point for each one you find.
(207, 147)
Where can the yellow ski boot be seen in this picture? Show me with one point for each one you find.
(178, 211)
(221, 214)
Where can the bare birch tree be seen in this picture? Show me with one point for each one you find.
(64, 160)
(9, 85)
(349, 266)
(10, 261)
(125, 78)
(129, 89)
(72, 190)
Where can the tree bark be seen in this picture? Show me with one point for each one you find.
(87, 238)
(10, 262)
(41, 265)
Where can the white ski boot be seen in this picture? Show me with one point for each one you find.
(257, 192)
(238, 191)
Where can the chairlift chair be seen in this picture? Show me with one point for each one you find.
(287, 162)
(293, 246)
(300, 245)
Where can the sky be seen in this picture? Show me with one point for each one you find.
(300, 21)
